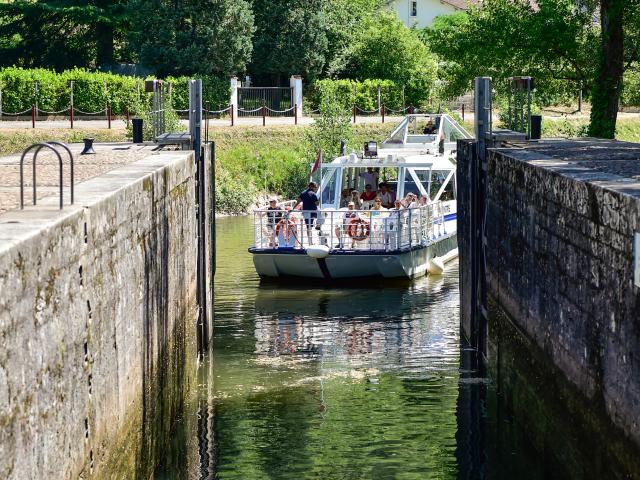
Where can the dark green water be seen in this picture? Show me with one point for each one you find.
(351, 383)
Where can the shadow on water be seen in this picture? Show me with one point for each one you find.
(361, 382)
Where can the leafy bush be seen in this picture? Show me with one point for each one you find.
(631, 87)
(363, 93)
(92, 91)
(332, 126)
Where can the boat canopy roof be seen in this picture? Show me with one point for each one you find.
(413, 159)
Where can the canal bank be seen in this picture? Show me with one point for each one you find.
(561, 220)
(97, 317)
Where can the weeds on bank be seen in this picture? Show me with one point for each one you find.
(16, 140)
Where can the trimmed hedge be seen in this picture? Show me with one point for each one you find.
(365, 93)
(93, 90)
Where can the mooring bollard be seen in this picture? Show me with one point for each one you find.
(354, 113)
(382, 111)
(33, 116)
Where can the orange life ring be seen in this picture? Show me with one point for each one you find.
(358, 229)
(290, 226)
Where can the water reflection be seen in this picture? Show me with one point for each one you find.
(353, 383)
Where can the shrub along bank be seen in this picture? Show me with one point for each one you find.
(276, 159)
(92, 91)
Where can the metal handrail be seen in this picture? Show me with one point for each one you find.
(38, 147)
(349, 230)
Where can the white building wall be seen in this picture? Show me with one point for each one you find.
(427, 10)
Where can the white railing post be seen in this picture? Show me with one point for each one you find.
(233, 100)
(296, 83)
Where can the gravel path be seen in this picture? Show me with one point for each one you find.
(109, 156)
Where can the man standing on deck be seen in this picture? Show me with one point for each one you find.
(370, 178)
(310, 201)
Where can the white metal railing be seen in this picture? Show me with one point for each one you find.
(349, 230)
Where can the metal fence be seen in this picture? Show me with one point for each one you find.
(349, 230)
(269, 101)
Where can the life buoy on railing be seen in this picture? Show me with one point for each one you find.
(358, 229)
(289, 227)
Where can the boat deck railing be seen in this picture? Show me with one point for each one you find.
(349, 230)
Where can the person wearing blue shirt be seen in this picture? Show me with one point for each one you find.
(309, 199)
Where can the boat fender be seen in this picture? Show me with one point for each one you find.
(435, 266)
(318, 251)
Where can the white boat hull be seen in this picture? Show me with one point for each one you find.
(295, 263)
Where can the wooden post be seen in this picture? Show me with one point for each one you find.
(354, 113)
(463, 112)
(382, 111)
(295, 113)
(264, 115)
(109, 116)
(71, 104)
(231, 108)
(33, 116)
(410, 109)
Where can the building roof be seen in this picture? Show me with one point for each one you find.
(461, 4)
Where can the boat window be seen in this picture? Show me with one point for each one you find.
(329, 187)
(451, 131)
(416, 181)
(438, 178)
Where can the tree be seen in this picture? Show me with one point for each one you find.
(347, 21)
(553, 41)
(607, 84)
(291, 39)
(62, 33)
(333, 125)
(386, 49)
(208, 37)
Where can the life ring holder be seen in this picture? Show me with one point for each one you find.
(359, 229)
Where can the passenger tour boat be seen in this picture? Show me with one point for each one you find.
(407, 239)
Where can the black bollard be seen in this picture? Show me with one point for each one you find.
(536, 127)
(88, 147)
(137, 130)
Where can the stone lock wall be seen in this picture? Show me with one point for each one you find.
(97, 315)
(560, 229)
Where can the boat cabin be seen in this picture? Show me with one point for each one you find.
(409, 160)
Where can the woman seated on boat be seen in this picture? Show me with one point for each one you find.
(367, 197)
(355, 198)
(386, 195)
(341, 230)
(430, 129)
(377, 208)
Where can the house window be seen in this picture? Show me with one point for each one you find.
(414, 8)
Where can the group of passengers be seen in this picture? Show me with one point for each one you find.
(375, 200)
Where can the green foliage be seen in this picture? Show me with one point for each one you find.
(347, 22)
(387, 49)
(62, 34)
(216, 92)
(363, 93)
(192, 36)
(554, 42)
(90, 93)
(332, 125)
(631, 86)
(291, 38)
